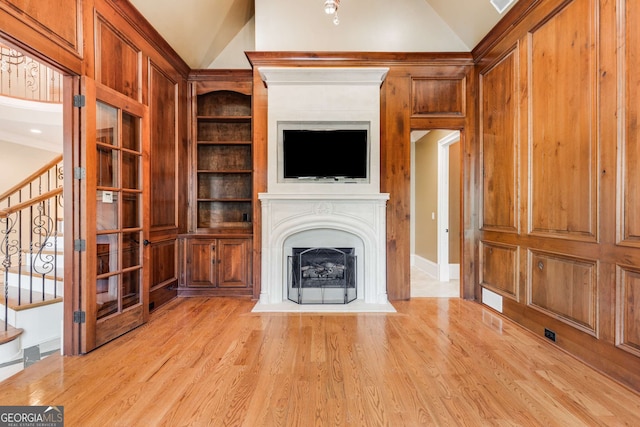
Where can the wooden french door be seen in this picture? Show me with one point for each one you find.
(115, 292)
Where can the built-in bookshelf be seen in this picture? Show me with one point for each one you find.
(223, 163)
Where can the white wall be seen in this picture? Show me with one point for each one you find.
(471, 20)
(365, 25)
(233, 57)
(19, 161)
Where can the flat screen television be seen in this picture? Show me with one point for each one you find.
(328, 152)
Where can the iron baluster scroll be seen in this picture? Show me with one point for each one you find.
(44, 228)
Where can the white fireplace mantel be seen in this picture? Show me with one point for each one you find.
(323, 75)
(338, 214)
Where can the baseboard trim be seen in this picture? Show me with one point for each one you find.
(431, 268)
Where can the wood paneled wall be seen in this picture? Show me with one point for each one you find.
(110, 42)
(558, 141)
(52, 30)
(147, 71)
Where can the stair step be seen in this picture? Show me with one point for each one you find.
(59, 274)
(27, 256)
(42, 258)
(37, 299)
(10, 334)
(54, 238)
(36, 283)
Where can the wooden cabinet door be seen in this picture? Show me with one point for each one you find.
(201, 263)
(233, 263)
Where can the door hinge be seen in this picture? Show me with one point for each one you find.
(79, 172)
(79, 101)
(79, 245)
(79, 317)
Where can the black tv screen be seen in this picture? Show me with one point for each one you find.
(325, 153)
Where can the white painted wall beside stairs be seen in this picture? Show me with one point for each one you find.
(40, 323)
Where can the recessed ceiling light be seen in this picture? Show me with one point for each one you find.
(501, 5)
(38, 131)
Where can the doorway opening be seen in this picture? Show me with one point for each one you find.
(32, 208)
(435, 213)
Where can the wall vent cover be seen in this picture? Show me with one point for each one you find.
(501, 5)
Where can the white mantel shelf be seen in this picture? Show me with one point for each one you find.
(323, 75)
(327, 196)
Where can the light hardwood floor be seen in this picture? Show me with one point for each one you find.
(437, 361)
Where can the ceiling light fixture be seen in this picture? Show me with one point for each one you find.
(331, 8)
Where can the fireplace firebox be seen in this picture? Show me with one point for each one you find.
(322, 275)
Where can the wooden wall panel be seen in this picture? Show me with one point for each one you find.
(499, 141)
(438, 97)
(59, 20)
(164, 185)
(564, 287)
(628, 310)
(260, 130)
(563, 131)
(164, 257)
(631, 145)
(499, 269)
(578, 113)
(395, 172)
(118, 61)
(163, 265)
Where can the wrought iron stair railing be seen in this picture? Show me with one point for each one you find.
(31, 239)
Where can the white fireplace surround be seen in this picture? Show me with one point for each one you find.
(342, 221)
(333, 214)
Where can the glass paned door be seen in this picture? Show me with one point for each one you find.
(118, 213)
(119, 279)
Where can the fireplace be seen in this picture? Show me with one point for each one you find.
(339, 208)
(337, 221)
(322, 275)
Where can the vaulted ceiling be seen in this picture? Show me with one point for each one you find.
(201, 30)
(206, 33)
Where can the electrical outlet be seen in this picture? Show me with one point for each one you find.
(548, 333)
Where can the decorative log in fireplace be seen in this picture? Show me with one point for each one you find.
(322, 275)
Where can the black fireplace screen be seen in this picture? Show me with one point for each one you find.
(322, 275)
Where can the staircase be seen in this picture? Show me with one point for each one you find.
(32, 267)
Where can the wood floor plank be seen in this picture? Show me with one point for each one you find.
(210, 361)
